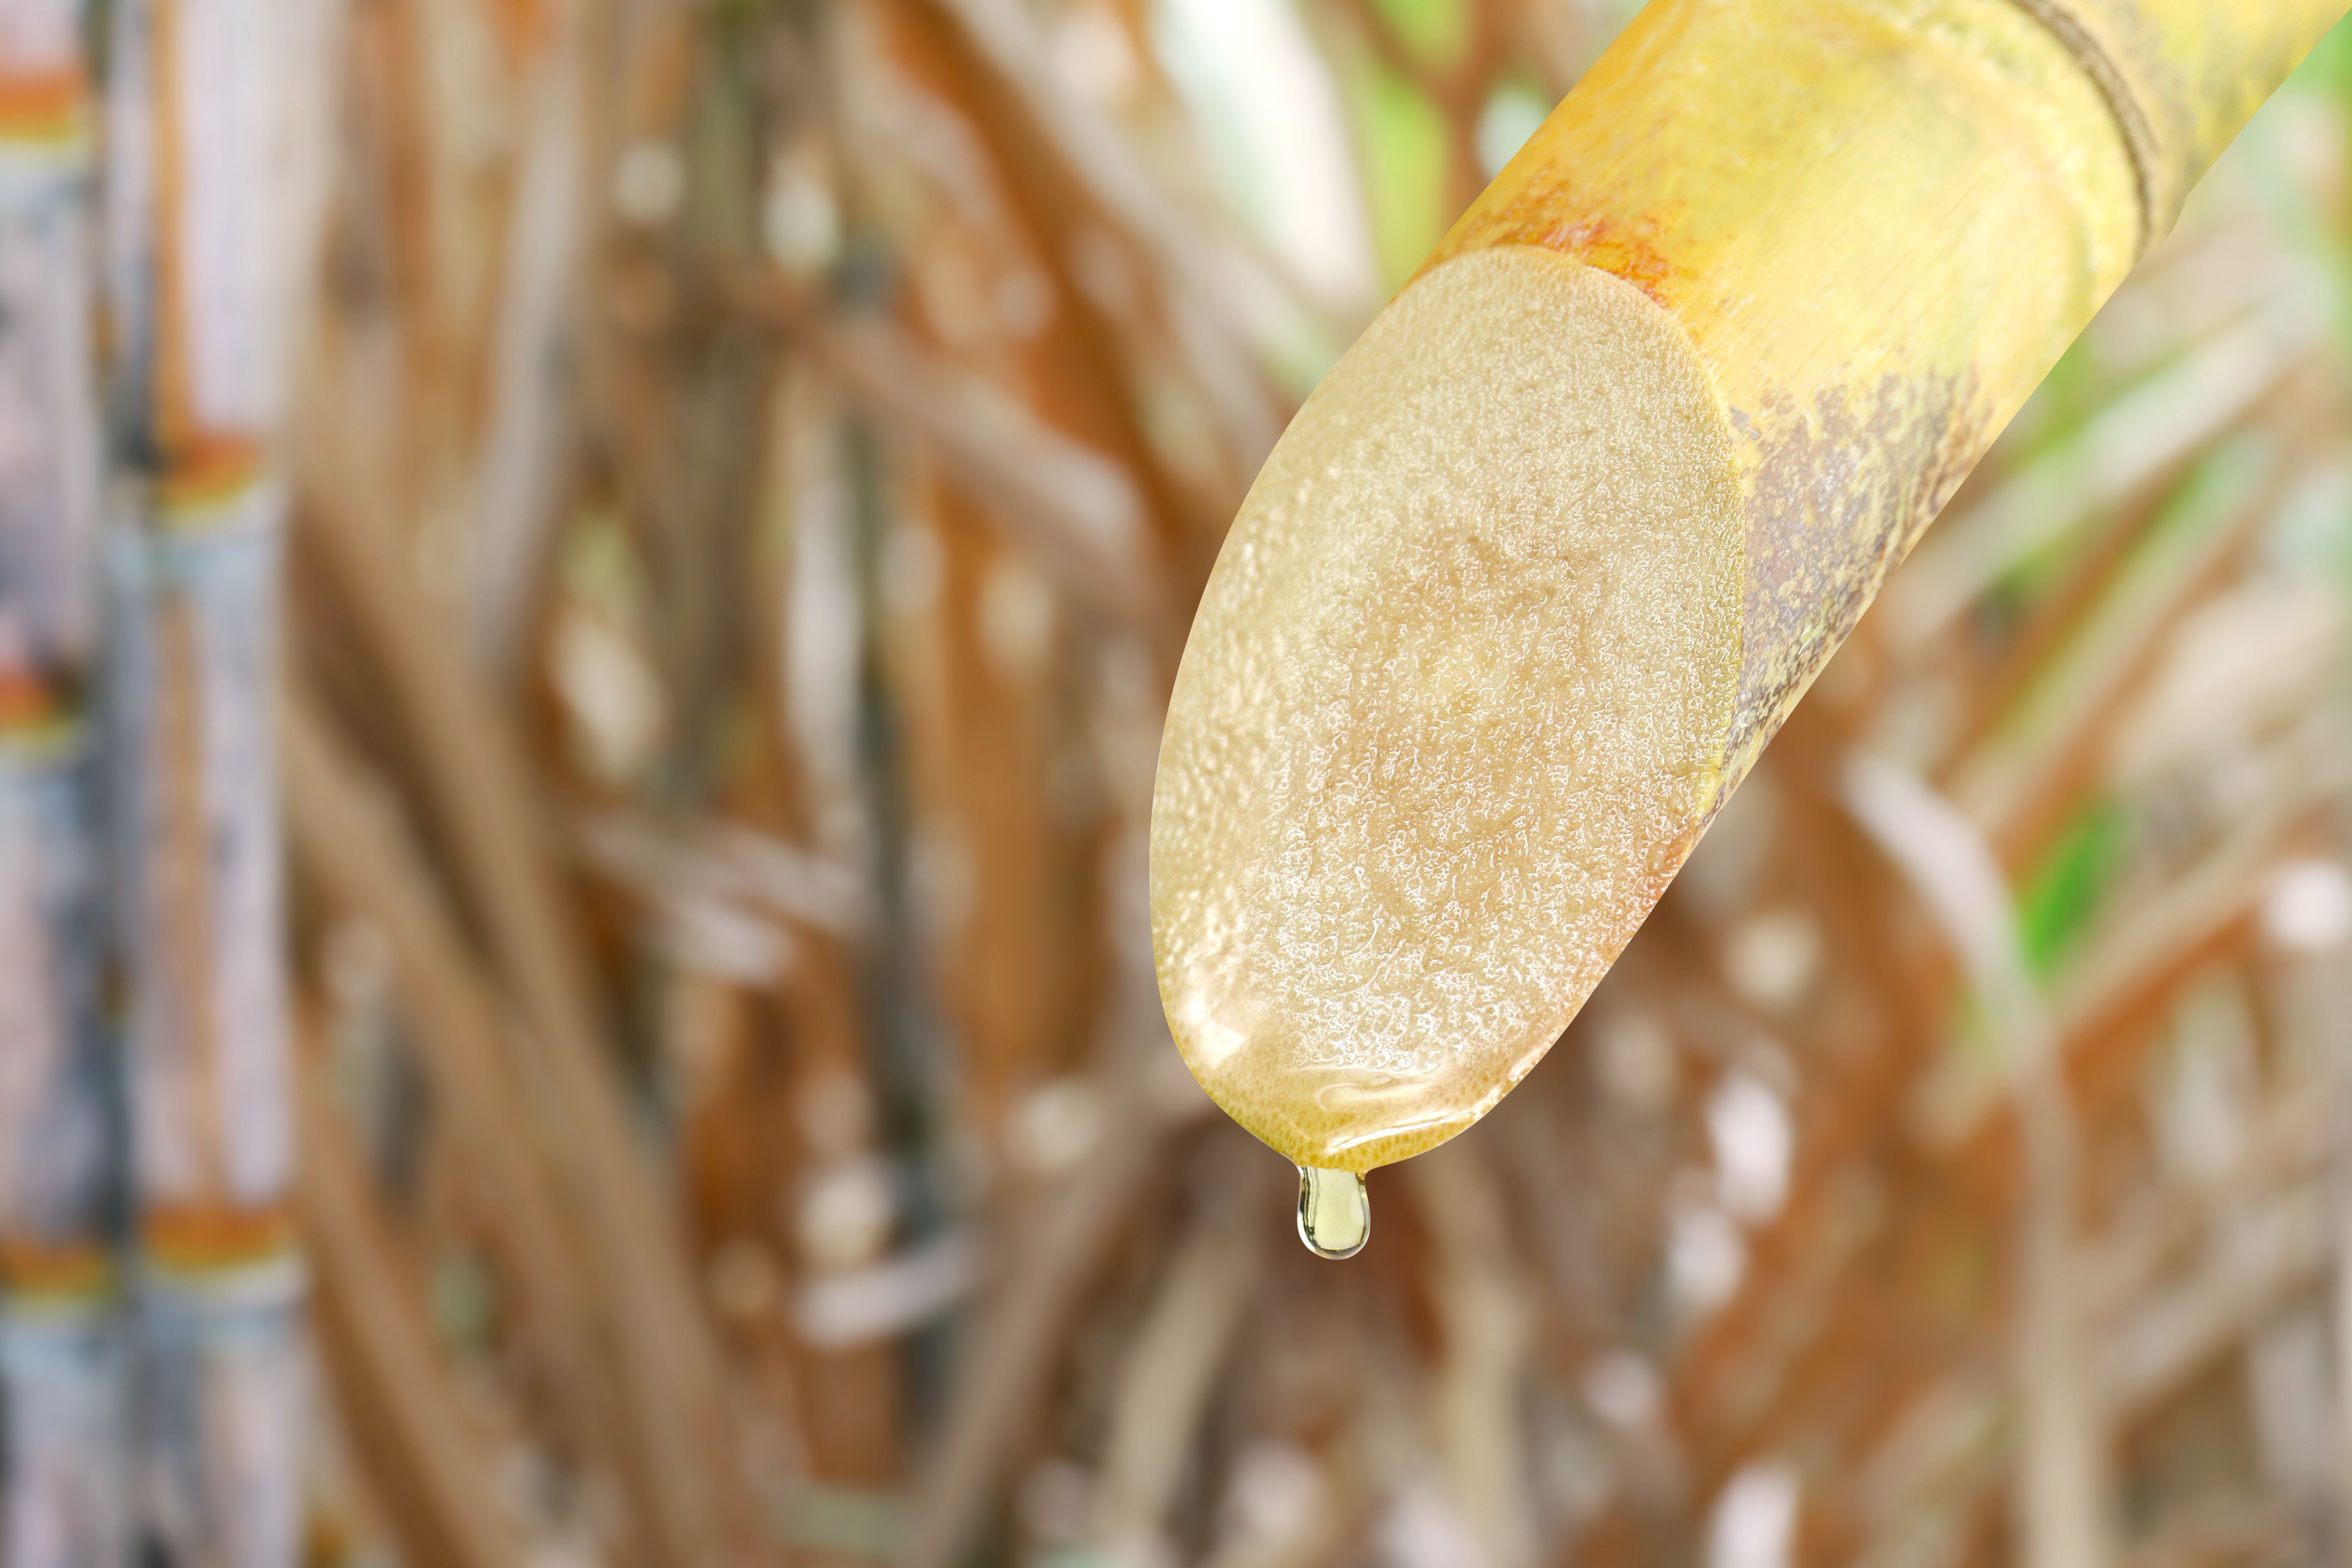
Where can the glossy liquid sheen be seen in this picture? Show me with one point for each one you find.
(1335, 1211)
(1452, 710)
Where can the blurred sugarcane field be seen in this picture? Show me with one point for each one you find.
(587, 594)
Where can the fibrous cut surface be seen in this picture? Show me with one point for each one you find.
(1452, 710)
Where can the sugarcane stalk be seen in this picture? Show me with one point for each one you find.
(199, 226)
(54, 1154)
(1554, 550)
(63, 1387)
(196, 834)
(220, 1363)
(64, 1422)
(57, 1143)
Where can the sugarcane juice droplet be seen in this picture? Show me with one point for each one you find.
(1453, 708)
(1335, 1211)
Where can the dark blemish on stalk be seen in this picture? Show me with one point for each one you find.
(1843, 489)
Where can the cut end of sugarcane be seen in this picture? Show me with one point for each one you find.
(1453, 709)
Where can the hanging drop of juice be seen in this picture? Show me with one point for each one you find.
(1335, 1212)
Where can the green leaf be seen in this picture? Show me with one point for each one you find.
(2064, 892)
(1403, 136)
(1436, 32)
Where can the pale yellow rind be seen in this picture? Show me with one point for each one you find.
(2194, 71)
(1880, 221)
(1452, 710)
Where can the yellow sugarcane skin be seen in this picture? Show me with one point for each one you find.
(1881, 223)
(1860, 232)
(2199, 70)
